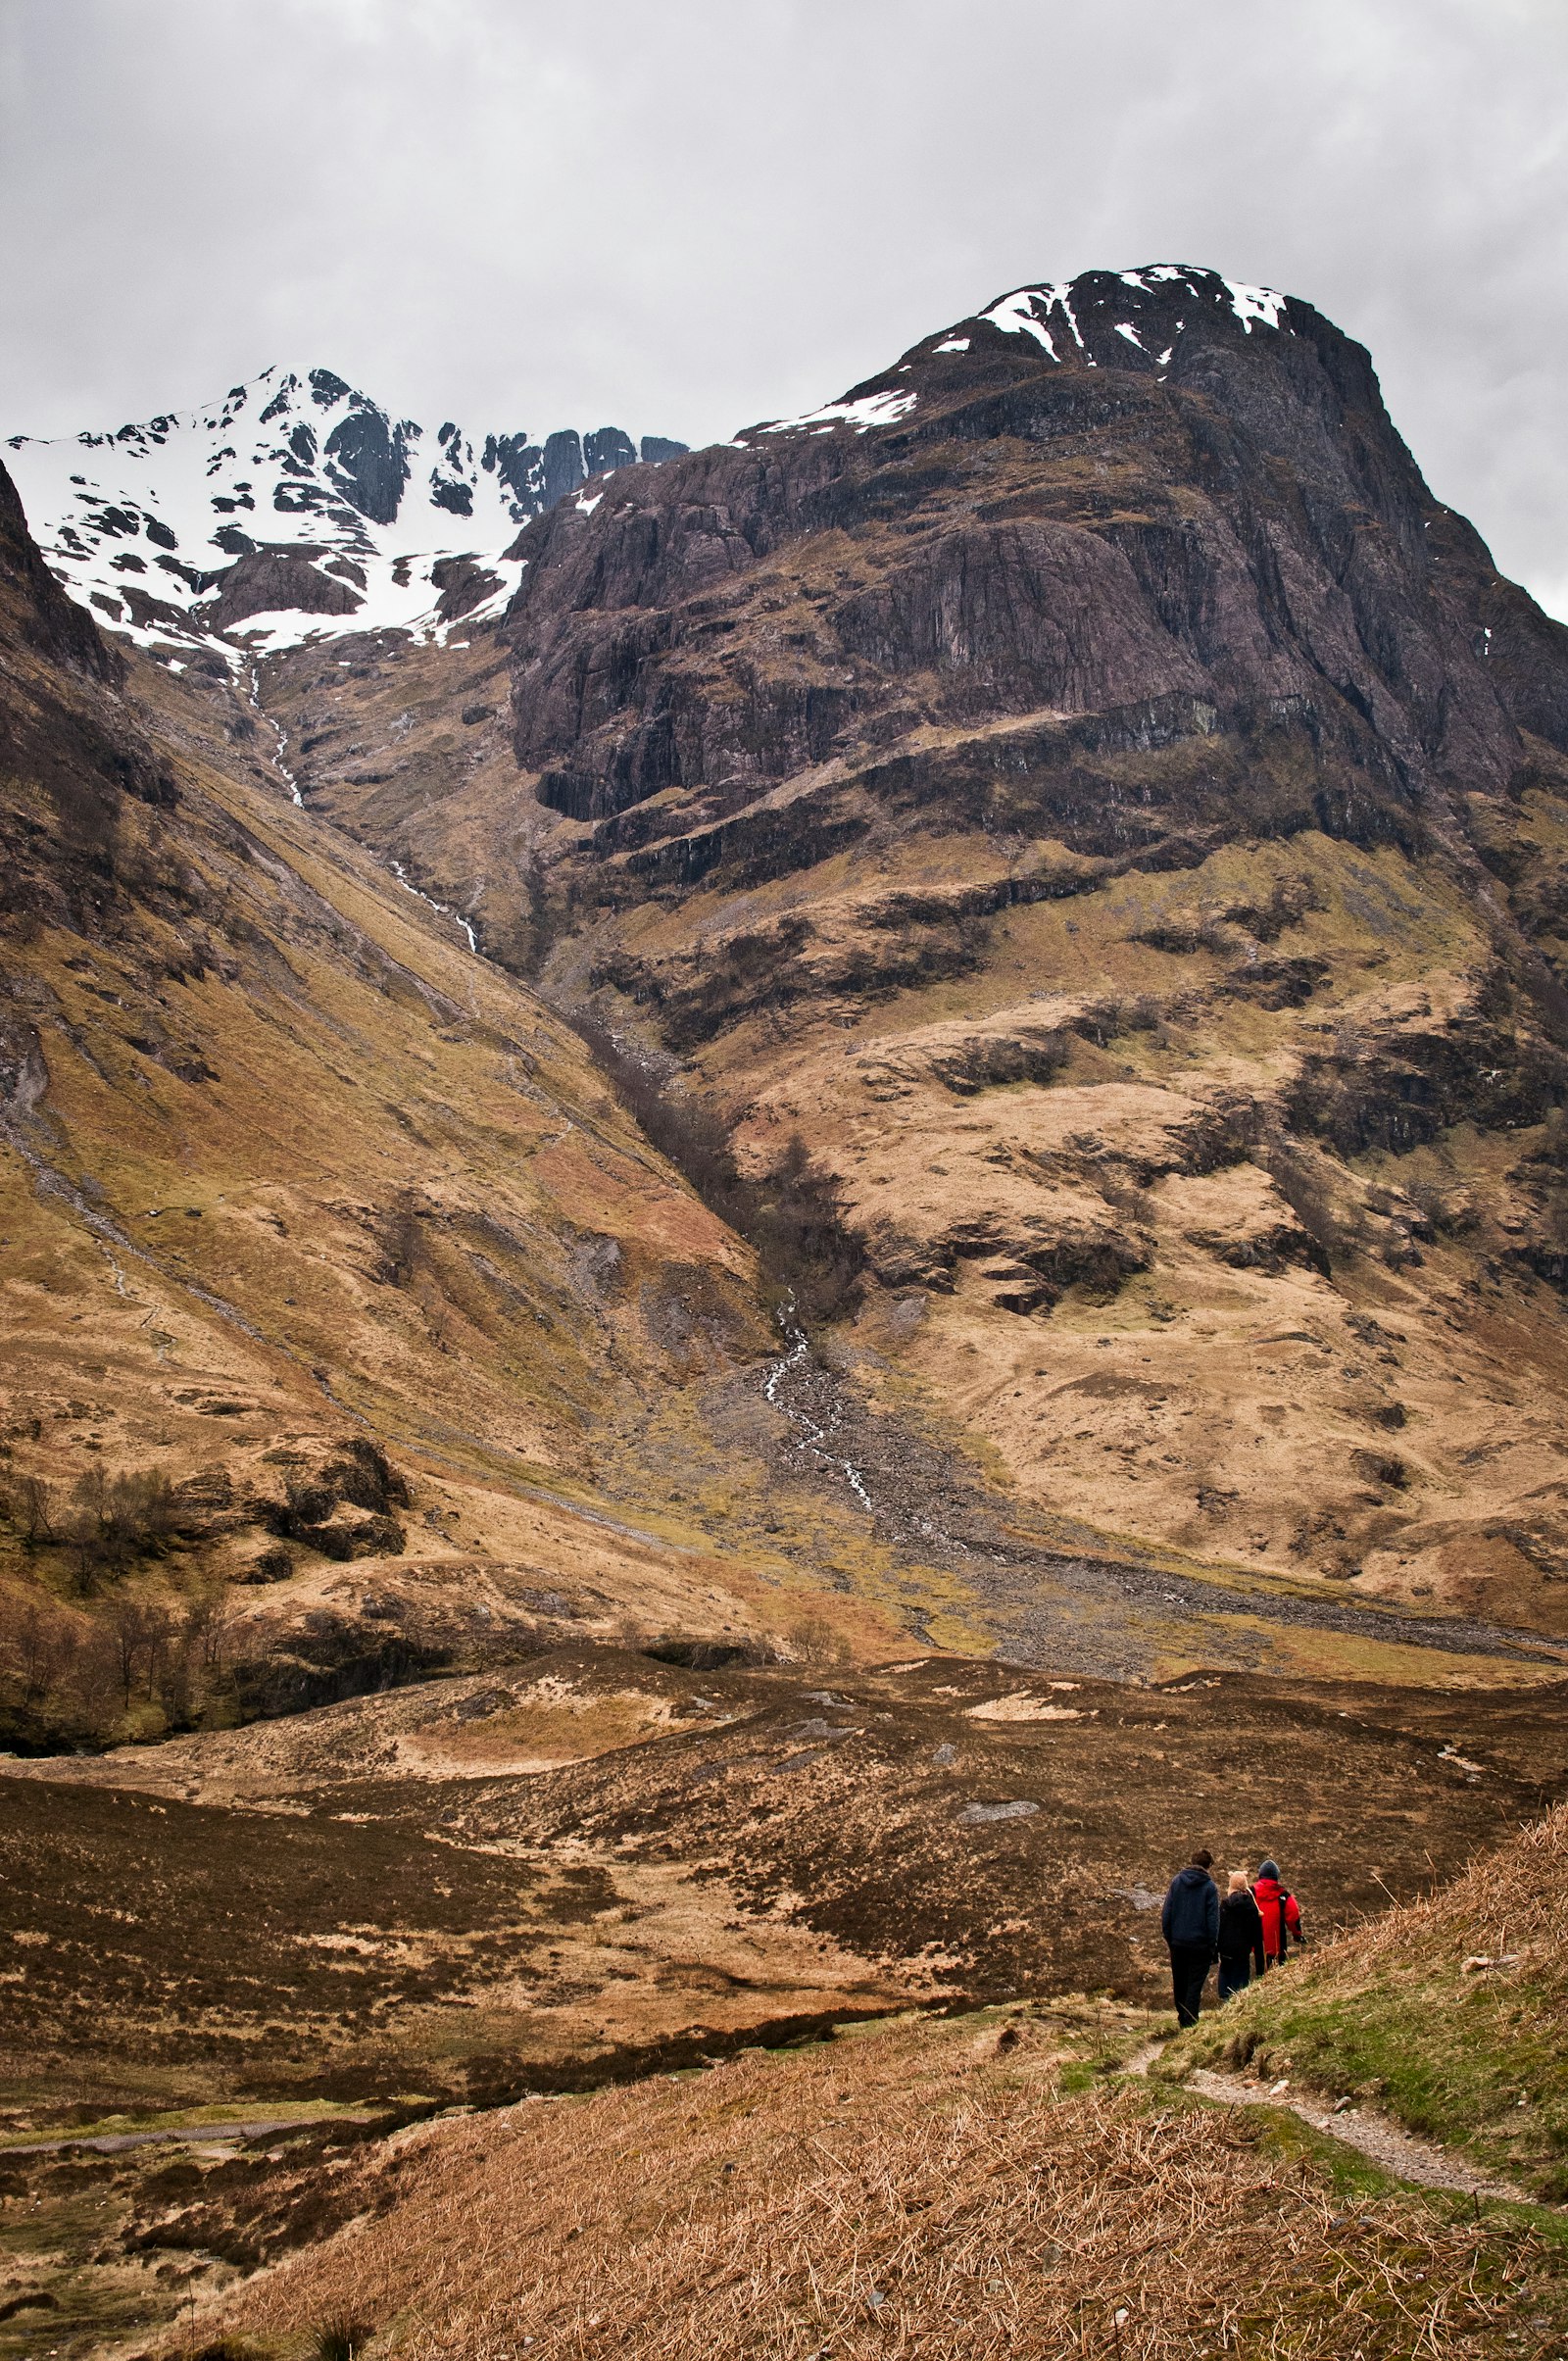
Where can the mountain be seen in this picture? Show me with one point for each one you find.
(296, 507)
(349, 1322)
(677, 1266)
(1086, 787)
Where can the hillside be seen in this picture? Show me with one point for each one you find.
(348, 1323)
(1086, 786)
(661, 1905)
(962, 2188)
(355, 1330)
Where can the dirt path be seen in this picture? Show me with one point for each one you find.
(1398, 2152)
(1382, 2142)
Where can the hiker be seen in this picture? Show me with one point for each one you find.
(1241, 1937)
(1189, 1924)
(1280, 1913)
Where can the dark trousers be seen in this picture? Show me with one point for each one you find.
(1234, 1975)
(1190, 1963)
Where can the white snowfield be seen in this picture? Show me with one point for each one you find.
(871, 410)
(137, 523)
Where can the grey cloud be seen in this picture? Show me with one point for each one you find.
(687, 218)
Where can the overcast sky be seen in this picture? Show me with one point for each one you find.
(681, 216)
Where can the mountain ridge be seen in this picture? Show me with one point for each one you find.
(295, 503)
(1084, 788)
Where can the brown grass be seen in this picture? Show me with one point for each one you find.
(914, 2191)
(1506, 1904)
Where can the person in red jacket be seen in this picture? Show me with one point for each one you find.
(1280, 1913)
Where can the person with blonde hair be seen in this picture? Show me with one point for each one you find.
(1241, 1937)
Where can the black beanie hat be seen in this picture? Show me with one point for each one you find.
(1269, 1869)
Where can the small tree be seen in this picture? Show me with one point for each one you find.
(137, 1635)
(41, 1652)
(35, 1509)
(93, 1675)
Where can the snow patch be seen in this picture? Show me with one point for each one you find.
(1014, 315)
(1254, 303)
(871, 410)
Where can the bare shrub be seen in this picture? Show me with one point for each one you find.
(403, 1247)
(139, 1634)
(36, 1511)
(797, 1229)
(117, 1519)
(91, 1681)
(40, 1651)
(814, 1640)
(1298, 1176)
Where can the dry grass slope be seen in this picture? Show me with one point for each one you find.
(915, 2190)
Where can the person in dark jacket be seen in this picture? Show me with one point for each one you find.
(1280, 1913)
(1189, 1924)
(1241, 1937)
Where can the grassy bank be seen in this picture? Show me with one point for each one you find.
(972, 2188)
(1451, 2013)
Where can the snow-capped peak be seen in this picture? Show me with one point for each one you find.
(293, 508)
(1100, 320)
(1129, 304)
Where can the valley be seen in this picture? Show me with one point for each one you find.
(1185, 990)
(742, 1253)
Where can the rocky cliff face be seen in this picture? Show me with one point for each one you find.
(1086, 785)
(1147, 496)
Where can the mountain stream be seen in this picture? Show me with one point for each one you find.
(811, 1436)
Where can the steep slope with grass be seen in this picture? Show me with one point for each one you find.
(1086, 788)
(1451, 2013)
(348, 1323)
